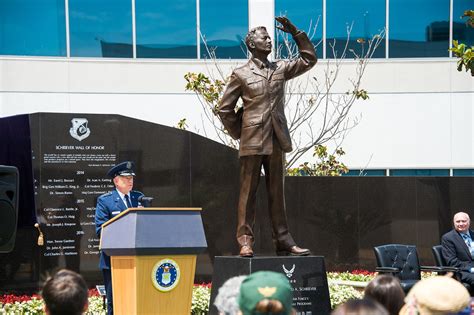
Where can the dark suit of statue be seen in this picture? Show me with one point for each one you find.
(262, 129)
(456, 254)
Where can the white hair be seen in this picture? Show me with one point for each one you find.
(226, 299)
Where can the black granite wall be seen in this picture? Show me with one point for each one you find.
(63, 159)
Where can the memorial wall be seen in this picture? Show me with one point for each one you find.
(63, 160)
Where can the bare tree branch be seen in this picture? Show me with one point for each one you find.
(315, 113)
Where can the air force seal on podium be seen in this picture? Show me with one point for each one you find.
(165, 275)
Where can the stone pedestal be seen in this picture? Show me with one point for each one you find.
(306, 274)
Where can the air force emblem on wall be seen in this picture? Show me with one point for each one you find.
(79, 129)
(165, 275)
(289, 273)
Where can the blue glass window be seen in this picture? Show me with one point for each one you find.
(306, 15)
(367, 19)
(166, 29)
(463, 172)
(224, 25)
(365, 173)
(415, 172)
(32, 28)
(100, 28)
(419, 28)
(462, 32)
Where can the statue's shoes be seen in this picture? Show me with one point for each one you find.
(246, 251)
(294, 251)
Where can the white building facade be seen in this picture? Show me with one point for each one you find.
(418, 119)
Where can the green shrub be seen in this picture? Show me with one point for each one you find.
(201, 299)
(341, 293)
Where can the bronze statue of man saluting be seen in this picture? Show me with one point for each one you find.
(263, 131)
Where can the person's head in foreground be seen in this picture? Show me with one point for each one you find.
(436, 296)
(226, 299)
(266, 292)
(360, 307)
(65, 293)
(386, 290)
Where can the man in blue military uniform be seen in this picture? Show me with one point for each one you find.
(108, 206)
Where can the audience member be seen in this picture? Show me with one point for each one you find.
(65, 293)
(226, 299)
(387, 291)
(436, 295)
(458, 247)
(266, 292)
(360, 307)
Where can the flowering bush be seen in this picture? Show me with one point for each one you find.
(201, 298)
(34, 305)
(355, 275)
(96, 306)
(11, 298)
(341, 293)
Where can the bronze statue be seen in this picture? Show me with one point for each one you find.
(263, 132)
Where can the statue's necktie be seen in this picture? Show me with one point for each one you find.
(127, 200)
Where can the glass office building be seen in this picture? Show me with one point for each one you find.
(191, 28)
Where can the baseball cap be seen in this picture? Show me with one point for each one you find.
(262, 285)
(436, 295)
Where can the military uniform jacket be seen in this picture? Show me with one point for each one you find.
(263, 95)
(108, 206)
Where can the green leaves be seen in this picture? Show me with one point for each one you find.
(342, 293)
(463, 52)
(326, 165)
(465, 55)
(361, 94)
(470, 15)
(210, 90)
(182, 124)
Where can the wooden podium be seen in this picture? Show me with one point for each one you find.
(153, 256)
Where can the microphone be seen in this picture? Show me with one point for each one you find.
(145, 201)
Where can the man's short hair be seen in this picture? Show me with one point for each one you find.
(65, 293)
(251, 35)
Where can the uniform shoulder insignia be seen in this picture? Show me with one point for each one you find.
(106, 194)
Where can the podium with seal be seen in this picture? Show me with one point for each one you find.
(153, 257)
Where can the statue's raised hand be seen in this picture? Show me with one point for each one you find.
(286, 25)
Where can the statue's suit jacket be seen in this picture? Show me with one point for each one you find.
(263, 96)
(108, 206)
(455, 251)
